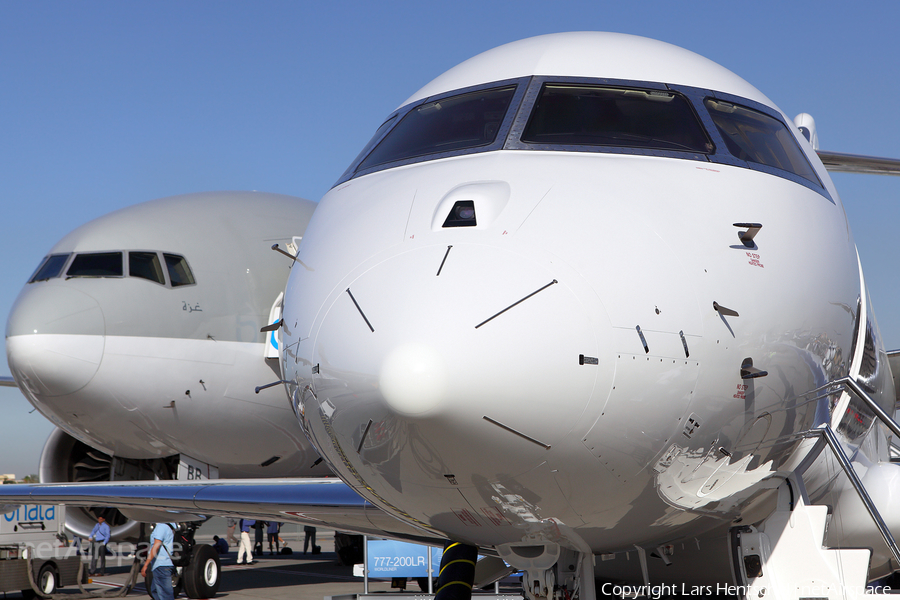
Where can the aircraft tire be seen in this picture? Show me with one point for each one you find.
(201, 575)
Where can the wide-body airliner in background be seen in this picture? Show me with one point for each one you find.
(590, 303)
(139, 337)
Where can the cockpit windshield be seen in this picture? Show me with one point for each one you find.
(758, 138)
(559, 114)
(141, 264)
(454, 123)
(605, 116)
(51, 267)
(96, 264)
(146, 266)
(179, 271)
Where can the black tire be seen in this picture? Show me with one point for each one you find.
(201, 575)
(47, 581)
(176, 583)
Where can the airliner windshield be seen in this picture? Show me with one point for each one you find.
(96, 264)
(758, 138)
(454, 123)
(602, 116)
(51, 267)
(150, 265)
(588, 115)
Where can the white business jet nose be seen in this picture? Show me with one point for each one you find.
(54, 339)
(439, 337)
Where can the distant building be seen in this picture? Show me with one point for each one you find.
(8, 478)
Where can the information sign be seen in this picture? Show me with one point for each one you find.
(388, 558)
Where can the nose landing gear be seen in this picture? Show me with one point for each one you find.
(551, 571)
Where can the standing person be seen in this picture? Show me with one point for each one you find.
(99, 539)
(232, 524)
(245, 549)
(272, 532)
(310, 535)
(258, 544)
(162, 544)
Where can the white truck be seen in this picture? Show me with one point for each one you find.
(36, 532)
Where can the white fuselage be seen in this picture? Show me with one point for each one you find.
(558, 371)
(630, 241)
(154, 397)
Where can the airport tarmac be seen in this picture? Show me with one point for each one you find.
(296, 576)
(275, 577)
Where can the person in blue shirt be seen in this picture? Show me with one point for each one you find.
(220, 545)
(162, 543)
(245, 548)
(99, 539)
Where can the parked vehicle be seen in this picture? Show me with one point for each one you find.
(35, 534)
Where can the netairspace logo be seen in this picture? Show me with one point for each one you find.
(124, 552)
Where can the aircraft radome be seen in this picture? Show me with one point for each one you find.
(590, 303)
(139, 337)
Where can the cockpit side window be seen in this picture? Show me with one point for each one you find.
(50, 267)
(179, 271)
(756, 137)
(96, 264)
(468, 120)
(589, 115)
(146, 265)
(385, 127)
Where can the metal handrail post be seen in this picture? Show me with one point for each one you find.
(879, 412)
(860, 393)
(365, 564)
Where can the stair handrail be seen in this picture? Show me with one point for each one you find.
(826, 433)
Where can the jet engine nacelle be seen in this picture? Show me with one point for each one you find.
(66, 459)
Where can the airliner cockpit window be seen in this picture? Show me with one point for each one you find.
(583, 115)
(759, 138)
(455, 123)
(179, 271)
(146, 266)
(96, 264)
(50, 267)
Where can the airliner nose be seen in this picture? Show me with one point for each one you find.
(446, 332)
(54, 339)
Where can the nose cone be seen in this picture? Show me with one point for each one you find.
(443, 335)
(54, 339)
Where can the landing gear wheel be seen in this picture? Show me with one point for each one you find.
(176, 583)
(47, 582)
(201, 576)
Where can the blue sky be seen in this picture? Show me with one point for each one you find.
(106, 104)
